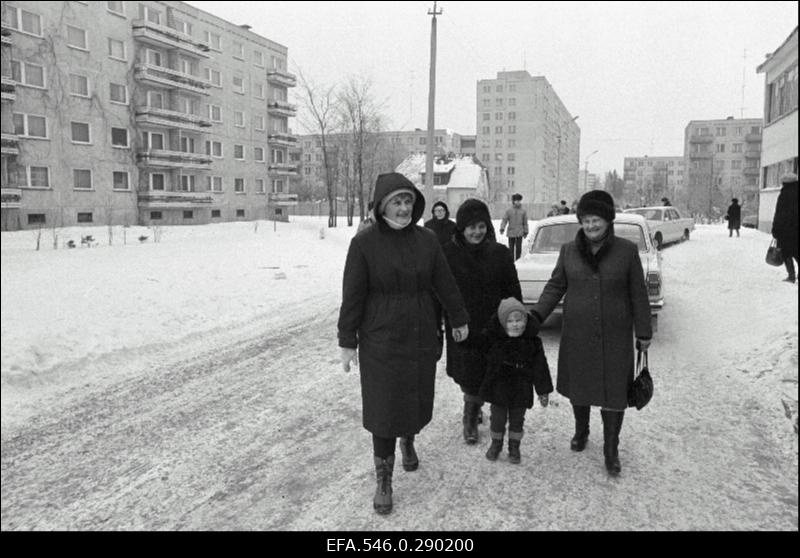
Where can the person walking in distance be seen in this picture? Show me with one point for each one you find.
(784, 224)
(734, 217)
(516, 219)
(394, 272)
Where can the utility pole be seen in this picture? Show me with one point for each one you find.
(431, 102)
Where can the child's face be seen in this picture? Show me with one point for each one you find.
(515, 324)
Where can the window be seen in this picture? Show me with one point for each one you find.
(78, 85)
(721, 131)
(156, 216)
(188, 214)
(187, 145)
(259, 123)
(152, 140)
(278, 156)
(37, 177)
(512, 87)
(720, 148)
(486, 130)
(81, 132)
(240, 212)
(498, 143)
(155, 99)
(116, 7)
(736, 164)
(214, 183)
(238, 185)
(238, 85)
(116, 49)
(487, 102)
(150, 14)
(498, 129)
(737, 148)
(238, 152)
(82, 179)
(29, 74)
(214, 148)
(84, 217)
(511, 156)
(498, 116)
(77, 38)
(154, 57)
(512, 115)
(120, 180)
(118, 93)
(258, 154)
(182, 26)
(187, 183)
(512, 102)
(22, 20)
(214, 40)
(487, 88)
(214, 77)
(510, 170)
(157, 181)
(260, 186)
(216, 213)
(278, 185)
(499, 89)
(36, 219)
(238, 119)
(238, 50)
(215, 113)
(512, 143)
(119, 137)
(258, 90)
(258, 58)
(487, 116)
(512, 129)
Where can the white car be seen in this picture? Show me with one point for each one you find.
(666, 224)
(536, 265)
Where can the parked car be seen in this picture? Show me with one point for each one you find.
(665, 223)
(536, 266)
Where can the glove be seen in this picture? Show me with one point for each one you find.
(349, 355)
(544, 400)
(643, 344)
(460, 333)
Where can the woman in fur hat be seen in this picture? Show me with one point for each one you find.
(395, 271)
(485, 272)
(606, 302)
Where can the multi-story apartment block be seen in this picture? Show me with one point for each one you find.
(648, 179)
(527, 139)
(722, 162)
(779, 146)
(587, 181)
(148, 112)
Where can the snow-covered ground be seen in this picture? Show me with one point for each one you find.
(75, 321)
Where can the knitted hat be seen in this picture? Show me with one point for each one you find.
(471, 212)
(507, 306)
(596, 202)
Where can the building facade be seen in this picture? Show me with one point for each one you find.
(779, 146)
(527, 139)
(147, 113)
(722, 162)
(648, 179)
(455, 178)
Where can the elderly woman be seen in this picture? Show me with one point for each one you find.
(394, 272)
(606, 300)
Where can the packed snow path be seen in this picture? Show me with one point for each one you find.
(229, 430)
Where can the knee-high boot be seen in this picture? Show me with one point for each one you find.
(578, 442)
(612, 425)
(410, 458)
(382, 502)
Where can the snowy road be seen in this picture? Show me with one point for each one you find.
(231, 431)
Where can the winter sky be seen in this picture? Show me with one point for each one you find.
(635, 73)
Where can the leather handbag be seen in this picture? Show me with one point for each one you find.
(640, 391)
(774, 254)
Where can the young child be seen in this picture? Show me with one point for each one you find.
(516, 363)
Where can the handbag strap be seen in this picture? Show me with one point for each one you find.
(641, 360)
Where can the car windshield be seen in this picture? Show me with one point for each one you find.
(549, 238)
(649, 214)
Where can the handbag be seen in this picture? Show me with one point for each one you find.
(640, 391)
(774, 254)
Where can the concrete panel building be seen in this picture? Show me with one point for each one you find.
(648, 179)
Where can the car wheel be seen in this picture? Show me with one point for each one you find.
(686, 234)
(659, 241)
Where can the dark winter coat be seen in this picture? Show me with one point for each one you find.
(734, 216)
(784, 224)
(444, 228)
(514, 366)
(606, 300)
(485, 275)
(391, 278)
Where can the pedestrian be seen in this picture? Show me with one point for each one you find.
(665, 202)
(606, 302)
(516, 363)
(784, 224)
(485, 273)
(517, 221)
(554, 210)
(440, 222)
(564, 208)
(734, 217)
(394, 271)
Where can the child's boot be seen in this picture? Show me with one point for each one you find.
(513, 446)
(497, 445)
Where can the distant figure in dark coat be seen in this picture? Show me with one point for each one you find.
(784, 223)
(665, 201)
(440, 222)
(394, 272)
(734, 217)
(564, 208)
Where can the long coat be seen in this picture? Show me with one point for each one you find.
(606, 299)
(784, 223)
(515, 365)
(485, 275)
(444, 228)
(734, 216)
(391, 278)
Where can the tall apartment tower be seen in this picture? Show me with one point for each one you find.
(527, 138)
(648, 179)
(722, 162)
(149, 112)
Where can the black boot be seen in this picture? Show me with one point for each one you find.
(612, 424)
(410, 458)
(513, 447)
(497, 446)
(382, 502)
(471, 409)
(578, 442)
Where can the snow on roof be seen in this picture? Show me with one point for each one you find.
(464, 171)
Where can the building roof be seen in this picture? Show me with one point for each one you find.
(464, 171)
(761, 66)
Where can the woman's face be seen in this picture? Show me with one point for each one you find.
(475, 232)
(399, 208)
(594, 227)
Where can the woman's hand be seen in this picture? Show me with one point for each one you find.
(460, 333)
(643, 344)
(349, 355)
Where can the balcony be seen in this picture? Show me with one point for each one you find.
(280, 139)
(282, 169)
(171, 119)
(702, 139)
(167, 77)
(8, 89)
(753, 137)
(162, 36)
(10, 197)
(701, 155)
(752, 171)
(280, 77)
(9, 144)
(281, 108)
(5, 35)
(152, 199)
(161, 158)
(752, 154)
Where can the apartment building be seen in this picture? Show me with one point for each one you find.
(527, 138)
(648, 179)
(779, 145)
(722, 162)
(146, 113)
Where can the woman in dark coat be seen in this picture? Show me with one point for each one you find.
(393, 273)
(606, 301)
(485, 272)
(440, 222)
(784, 224)
(734, 217)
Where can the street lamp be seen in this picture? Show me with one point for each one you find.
(558, 160)
(586, 170)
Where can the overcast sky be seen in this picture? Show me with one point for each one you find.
(634, 72)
